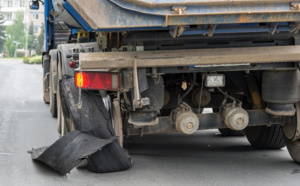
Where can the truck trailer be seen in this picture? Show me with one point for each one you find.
(154, 66)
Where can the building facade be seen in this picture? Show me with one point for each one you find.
(9, 9)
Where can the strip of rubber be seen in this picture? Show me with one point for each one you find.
(68, 151)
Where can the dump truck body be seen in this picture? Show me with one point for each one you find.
(158, 64)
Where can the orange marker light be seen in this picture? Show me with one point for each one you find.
(79, 80)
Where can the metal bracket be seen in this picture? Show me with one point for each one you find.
(296, 28)
(179, 10)
(176, 31)
(274, 28)
(138, 102)
(183, 107)
(211, 30)
(295, 6)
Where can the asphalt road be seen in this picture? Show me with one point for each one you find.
(205, 158)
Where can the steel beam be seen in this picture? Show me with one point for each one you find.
(151, 3)
(194, 57)
(112, 15)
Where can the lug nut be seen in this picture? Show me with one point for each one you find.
(240, 121)
(190, 125)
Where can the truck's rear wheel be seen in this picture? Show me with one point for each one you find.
(229, 132)
(294, 149)
(53, 104)
(291, 132)
(61, 126)
(46, 69)
(264, 137)
(53, 98)
(61, 123)
(64, 124)
(94, 119)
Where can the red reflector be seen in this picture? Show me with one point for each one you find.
(71, 64)
(97, 80)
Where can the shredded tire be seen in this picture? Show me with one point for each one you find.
(93, 120)
(69, 151)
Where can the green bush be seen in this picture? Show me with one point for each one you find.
(25, 60)
(33, 60)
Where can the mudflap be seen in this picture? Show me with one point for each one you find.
(93, 139)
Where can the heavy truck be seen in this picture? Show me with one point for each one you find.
(156, 65)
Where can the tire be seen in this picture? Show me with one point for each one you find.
(53, 99)
(61, 124)
(61, 127)
(294, 149)
(46, 69)
(53, 104)
(229, 132)
(291, 132)
(94, 119)
(65, 123)
(264, 137)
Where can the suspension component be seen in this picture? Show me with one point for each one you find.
(205, 97)
(186, 121)
(235, 118)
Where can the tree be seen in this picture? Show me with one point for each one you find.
(2, 33)
(31, 42)
(15, 32)
(40, 41)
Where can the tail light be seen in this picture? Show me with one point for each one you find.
(97, 80)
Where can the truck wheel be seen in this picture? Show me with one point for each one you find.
(64, 124)
(264, 137)
(46, 69)
(291, 133)
(94, 119)
(61, 126)
(53, 104)
(229, 132)
(294, 149)
(53, 100)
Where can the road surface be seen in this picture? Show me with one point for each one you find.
(205, 158)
